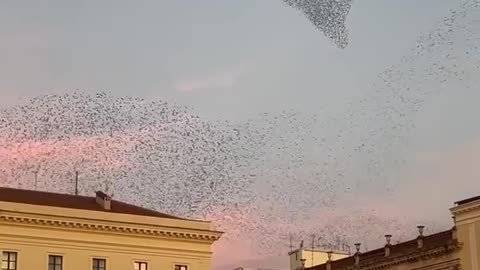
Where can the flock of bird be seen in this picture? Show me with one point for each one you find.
(328, 16)
(250, 178)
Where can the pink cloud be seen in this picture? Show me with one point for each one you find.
(95, 150)
(221, 80)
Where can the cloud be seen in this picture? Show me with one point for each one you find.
(221, 80)
(25, 157)
(452, 173)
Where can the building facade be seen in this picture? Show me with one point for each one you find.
(305, 257)
(455, 249)
(467, 222)
(41, 230)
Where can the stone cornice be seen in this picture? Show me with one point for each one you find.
(106, 216)
(209, 236)
(89, 245)
(464, 208)
(388, 262)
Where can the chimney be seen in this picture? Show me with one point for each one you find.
(329, 261)
(420, 236)
(103, 200)
(454, 233)
(357, 254)
(388, 237)
(303, 260)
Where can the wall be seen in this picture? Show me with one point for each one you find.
(319, 257)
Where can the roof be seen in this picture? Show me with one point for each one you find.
(74, 202)
(253, 268)
(433, 241)
(477, 198)
(341, 252)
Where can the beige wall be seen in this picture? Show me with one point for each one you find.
(468, 234)
(467, 219)
(34, 240)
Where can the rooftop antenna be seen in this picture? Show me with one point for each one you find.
(76, 183)
(291, 244)
(313, 246)
(107, 186)
(35, 173)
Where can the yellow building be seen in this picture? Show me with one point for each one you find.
(51, 231)
(455, 249)
(305, 257)
(467, 223)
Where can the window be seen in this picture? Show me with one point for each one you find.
(140, 266)
(55, 262)
(99, 264)
(180, 267)
(9, 261)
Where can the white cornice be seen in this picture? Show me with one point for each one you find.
(209, 236)
(464, 208)
(42, 210)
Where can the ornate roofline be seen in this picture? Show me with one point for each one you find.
(111, 228)
(434, 252)
(464, 208)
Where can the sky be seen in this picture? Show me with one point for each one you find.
(235, 59)
(227, 59)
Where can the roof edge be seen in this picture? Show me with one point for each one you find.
(468, 200)
(319, 250)
(154, 213)
(381, 249)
